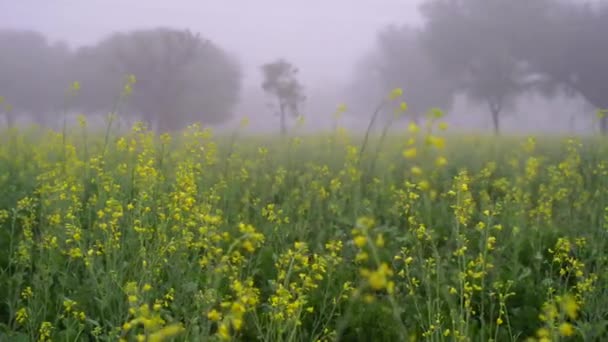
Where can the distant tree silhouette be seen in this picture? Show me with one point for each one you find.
(280, 81)
(471, 41)
(400, 60)
(181, 77)
(570, 48)
(32, 75)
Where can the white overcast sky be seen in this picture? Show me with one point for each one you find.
(323, 37)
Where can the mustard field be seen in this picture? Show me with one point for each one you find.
(423, 235)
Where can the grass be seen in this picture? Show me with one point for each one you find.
(425, 236)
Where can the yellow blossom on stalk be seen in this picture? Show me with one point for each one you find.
(437, 142)
(424, 185)
(543, 334)
(27, 293)
(21, 316)
(566, 329)
(165, 138)
(82, 120)
(214, 315)
(416, 171)
(339, 111)
(251, 238)
(549, 313)
(299, 245)
(441, 161)
(443, 125)
(45, 331)
(403, 107)
(380, 240)
(365, 222)
(491, 243)
(436, 113)
(68, 305)
(413, 128)
(166, 333)
(361, 257)
(380, 278)
(75, 87)
(570, 306)
(4, 215)
(244, 121)
(410, 153)
(360, 241)
(131, 79)
(223, 331)
(529, 145)
(395, 93)
(127, 90)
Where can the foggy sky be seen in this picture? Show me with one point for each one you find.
(324, 38)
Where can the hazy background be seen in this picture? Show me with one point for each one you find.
(324, 39)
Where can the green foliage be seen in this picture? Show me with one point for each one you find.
(189, 237)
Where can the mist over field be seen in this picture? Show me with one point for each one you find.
(297, 171)
(332, 45)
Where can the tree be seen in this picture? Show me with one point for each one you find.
(181, 77)
(471, 41)
(400, 60)
(32, 74)
(280, 81)
(574, 50)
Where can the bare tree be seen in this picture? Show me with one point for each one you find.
(280, 81)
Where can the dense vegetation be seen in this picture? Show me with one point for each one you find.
(167, 232)
(485, 50)
(420, 236)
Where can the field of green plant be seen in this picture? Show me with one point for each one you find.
(418, 236)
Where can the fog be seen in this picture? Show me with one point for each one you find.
(324, 38)
(326, 41)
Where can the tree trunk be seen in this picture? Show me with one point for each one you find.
(598, 100)
(283, 121)
(496, 122)
(572, 124)
(495, 109)
(10, 119)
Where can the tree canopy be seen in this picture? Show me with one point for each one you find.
(493, 51)
(280, 81)
(32, 74)
(180, 77)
